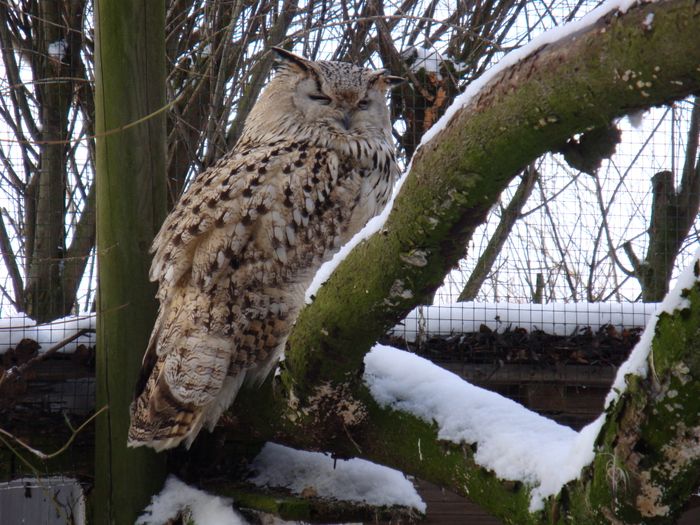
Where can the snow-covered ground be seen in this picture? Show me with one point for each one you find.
(344, 480)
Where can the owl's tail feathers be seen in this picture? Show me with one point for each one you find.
(182, 389)
(161, 421)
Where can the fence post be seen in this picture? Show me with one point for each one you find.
(131, 204)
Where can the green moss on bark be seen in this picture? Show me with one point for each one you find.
(533, 107)
(639, 473)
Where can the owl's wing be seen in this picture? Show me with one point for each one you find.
(185, 365)
(210, 226)
(255, 215)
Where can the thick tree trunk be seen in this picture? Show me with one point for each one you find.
(531, 107)
(673, 215)
(44, 292)
(131, 204)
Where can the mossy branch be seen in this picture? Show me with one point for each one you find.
(310, 507)
(620, 64)
(584, 80)
(647, 461)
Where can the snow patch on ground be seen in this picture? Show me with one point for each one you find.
(203, 508)
(344, 480)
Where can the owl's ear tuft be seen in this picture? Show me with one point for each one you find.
(293, 61)
(383, 81)
(393, 80)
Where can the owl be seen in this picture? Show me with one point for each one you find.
(314, 163)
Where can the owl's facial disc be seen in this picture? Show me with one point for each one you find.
(348, 111)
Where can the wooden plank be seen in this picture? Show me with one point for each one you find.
(480, 374)
(445, 507)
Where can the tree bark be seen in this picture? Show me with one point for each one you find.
(673, 215)
(531, 107)
(131, 205)
(44, 292)
(508, 218)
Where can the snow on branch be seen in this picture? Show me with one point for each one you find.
(177, 499)
(14, 329)
(513, 442)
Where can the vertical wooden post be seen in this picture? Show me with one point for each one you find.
(131, 204)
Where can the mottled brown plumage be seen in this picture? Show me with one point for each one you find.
(314, 163)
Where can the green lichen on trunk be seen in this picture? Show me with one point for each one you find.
(648, 454)
(619, 65)
(309, 507)
(615, 67)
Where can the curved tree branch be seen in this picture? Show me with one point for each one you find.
(617, 65)
(583, 80)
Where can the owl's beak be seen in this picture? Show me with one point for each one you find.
(345, 120)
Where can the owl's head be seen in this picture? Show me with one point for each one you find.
(338, 99)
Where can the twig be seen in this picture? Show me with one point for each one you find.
(38, 453)
(10, 259)
(508, 219)
(347, 433)
(19, 370)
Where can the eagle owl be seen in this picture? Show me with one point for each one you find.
(314, 163)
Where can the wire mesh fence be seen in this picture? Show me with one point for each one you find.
(568, 235)
(611, 217)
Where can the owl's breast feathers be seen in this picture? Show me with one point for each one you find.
(232, 261)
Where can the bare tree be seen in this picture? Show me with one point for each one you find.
(674, 210)
(48, 112)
